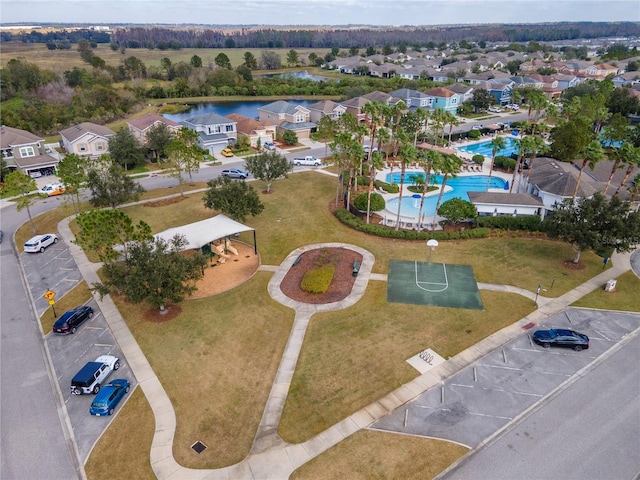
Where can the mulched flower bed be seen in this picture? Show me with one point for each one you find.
(341, 285)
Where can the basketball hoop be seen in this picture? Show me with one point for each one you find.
(432, 244)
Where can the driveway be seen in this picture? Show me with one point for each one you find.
(478, 401)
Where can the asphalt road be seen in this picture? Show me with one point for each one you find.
(590, 431)
(34, 425)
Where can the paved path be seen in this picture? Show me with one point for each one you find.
(271, 457)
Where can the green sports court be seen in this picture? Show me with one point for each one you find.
(433, 284)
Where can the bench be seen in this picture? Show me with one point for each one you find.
(356, 268)
(297, 260)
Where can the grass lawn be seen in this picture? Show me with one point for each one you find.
(371, 454)
(126, 445)
(217, 360)
(76, 297)
(624, 298)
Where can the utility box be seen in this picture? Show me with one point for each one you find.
(610, 286)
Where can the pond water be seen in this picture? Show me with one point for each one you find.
(301, 75)
(245, 108)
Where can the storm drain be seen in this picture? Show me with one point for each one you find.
(199, 447)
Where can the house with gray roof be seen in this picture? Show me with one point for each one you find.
(325, 108)
(87, 139)
(413, 99)
(287, 116)
(214, 131)
(24, 151)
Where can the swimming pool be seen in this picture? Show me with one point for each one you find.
(485, 148)
(410, 206)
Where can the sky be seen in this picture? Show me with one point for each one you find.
(315, 12)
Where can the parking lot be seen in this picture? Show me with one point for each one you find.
(481, 399)
(56, 270)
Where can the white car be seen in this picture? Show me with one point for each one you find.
(51, 189)
(91, 376)
(495, 109)
(40, 242)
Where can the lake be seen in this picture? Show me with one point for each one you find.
(301, 75)
(245, 108)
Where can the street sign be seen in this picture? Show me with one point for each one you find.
(49, 295)
(52, 302)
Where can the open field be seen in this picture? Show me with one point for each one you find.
(218, 358)
(61, 60)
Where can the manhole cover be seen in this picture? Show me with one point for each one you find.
(199, 447)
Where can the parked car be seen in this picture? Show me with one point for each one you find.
(227, 152)
(51, 189)
(89, 378)
(269, 146)
(109, 397)
(308, 160)
(561, 338)
(40, 242)
(495, 109)
(513, 106)
(477, 127)
(235, 173)
(71, 320)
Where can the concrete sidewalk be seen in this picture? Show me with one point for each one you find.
(271, 457)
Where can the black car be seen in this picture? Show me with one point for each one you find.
(561, 338)
(71, 320)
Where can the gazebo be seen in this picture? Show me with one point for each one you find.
(204, 232)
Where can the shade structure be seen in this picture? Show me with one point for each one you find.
(206, 231)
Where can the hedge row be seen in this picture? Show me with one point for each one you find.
(356, 223)
(531, 223)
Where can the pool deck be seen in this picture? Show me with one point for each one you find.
(389, 217)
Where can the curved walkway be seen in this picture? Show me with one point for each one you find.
(270, 456)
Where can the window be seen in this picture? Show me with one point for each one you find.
(299, 117)
(229, 128)
(27, 152)
(99, 146)
(82, 147)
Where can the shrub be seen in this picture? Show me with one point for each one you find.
(474, 134)
(377, 202)
(318, 280)
(507, 222)
(289, 137)
(356, 223)
(478, 159)
(387, 187)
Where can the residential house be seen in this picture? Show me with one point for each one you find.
(550, 85)
(500, 88)
(87, 139)
(601, 70)
(384, 70)
(413, 99)
(253, 129)
(381, 97)
(24, 151)
(214, 131)
(566, 80)
(287, 116)
(354, 106)
(527, 81)
(444, 99)
(465, 91)
(496, 204)
(325, 108)
(140, 126)
(627, 78)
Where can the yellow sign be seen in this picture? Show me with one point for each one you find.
(52, 301)
(49, 295)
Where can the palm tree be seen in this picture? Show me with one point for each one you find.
(591, 154)
(632, 160)
(375, 163)
(619, 155)
(538, 147)
(448, 166)
(452, 121)
(497, 144)
(521, 144)
(432, 157)
(408, 154)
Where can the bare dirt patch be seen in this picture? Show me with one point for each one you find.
(164, 202)
(341, 284)
(154, 315)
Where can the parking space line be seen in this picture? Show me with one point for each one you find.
(602, 335)
(497, 390)
(102, 345)
(527, 349)
(500, 366)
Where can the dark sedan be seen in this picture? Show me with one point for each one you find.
(71, 320)
(561, 338)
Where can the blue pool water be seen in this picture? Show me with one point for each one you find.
(485, 148)
(411, 206)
